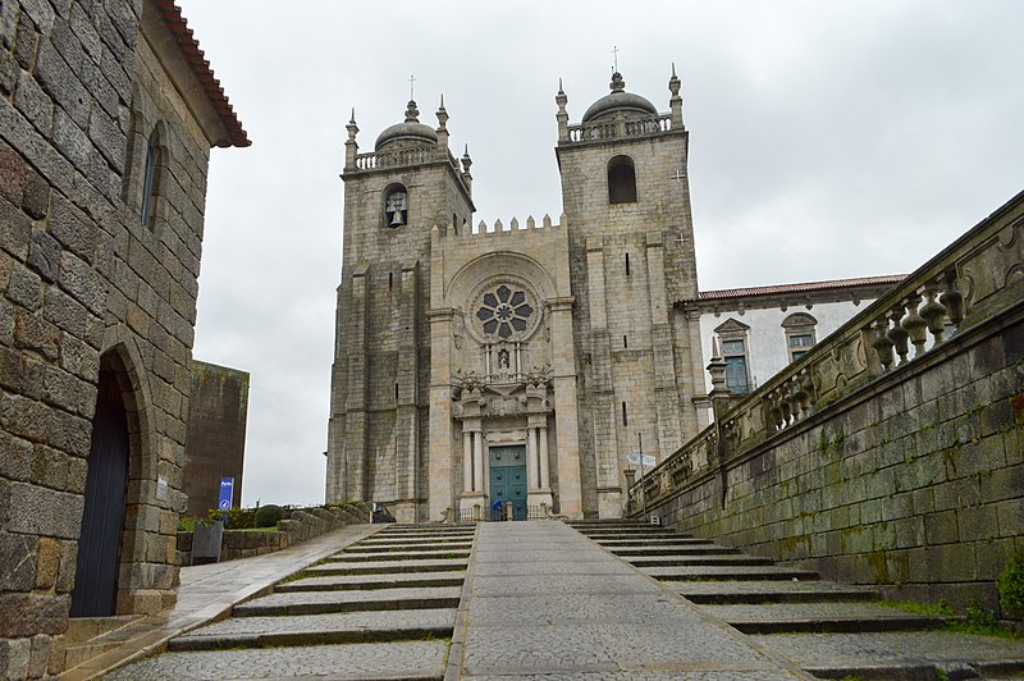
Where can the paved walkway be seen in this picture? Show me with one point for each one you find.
(208, 592)
(548, 603)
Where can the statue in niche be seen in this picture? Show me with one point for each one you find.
(503, 359)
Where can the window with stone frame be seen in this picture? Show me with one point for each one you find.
(621, 180)
(800, 334)
(396, 206)
(151, 180)
(733, 343)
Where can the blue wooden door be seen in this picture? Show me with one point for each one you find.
(95, 590)
(508, 479)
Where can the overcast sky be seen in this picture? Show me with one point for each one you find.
(828, 139)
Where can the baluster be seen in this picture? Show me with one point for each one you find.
(934, 312)
(882, 344)
(915, 324)
(805, 386)
(897, 334)
(808, 386)
(952, 299)
(774, 413)
(787, 412)
(800, 395)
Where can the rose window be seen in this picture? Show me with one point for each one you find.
(504, 311)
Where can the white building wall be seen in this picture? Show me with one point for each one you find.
(767, 351)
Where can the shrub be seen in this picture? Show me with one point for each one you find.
(267, 516)
(1011, 586)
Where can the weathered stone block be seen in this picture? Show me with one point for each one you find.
(31, 614)
(15, 658)
(941, 528)
(17, 562)
(25, 289)
(45, 512)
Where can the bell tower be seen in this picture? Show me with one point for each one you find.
(378, 430)
(626, 195)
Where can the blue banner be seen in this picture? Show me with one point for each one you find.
(227, 488)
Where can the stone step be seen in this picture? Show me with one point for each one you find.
(427, 530)
(728, 572)
(386, 540)
(321, 602)
(737, 592)
(637, 532)
(408, 547)
(408, 660)
(685, 550)
(367, 582)
(648, 561)
(787, 618)
(448, 554)
(899, 655)
(675, 540)
(354, 627)
(386, 567)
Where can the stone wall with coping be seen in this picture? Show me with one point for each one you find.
(874, 463)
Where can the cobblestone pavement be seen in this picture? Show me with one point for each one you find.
(547, 603)
(829, 630)
(392, 619)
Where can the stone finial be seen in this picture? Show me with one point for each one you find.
(351, 146)
(618, 83)
(676, 102)
(412, 114)
(442, 115)
(442, 131)
(562, 116)
(467, 177)
(531, 223)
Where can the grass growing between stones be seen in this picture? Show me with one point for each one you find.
(979, 622)
(940, 609)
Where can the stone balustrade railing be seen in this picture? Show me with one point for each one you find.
(400, 157)
(589, 132)
(980, 273)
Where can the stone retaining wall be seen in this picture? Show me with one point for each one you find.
(872, 461)
(299, 526)
(915, 483)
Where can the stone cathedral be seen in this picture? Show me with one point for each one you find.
(520, 363)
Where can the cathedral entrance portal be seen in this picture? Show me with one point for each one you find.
(508, 479)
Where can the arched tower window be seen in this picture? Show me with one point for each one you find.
(621, 180)
(396, 206)
(150, 180)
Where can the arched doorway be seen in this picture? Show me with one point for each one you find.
(95, 590)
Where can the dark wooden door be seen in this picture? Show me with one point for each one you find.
(95, 588)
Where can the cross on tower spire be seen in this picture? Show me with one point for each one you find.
(615, 58)
(412, 84)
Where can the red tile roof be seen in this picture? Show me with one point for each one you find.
(178, 27)
(809, 287)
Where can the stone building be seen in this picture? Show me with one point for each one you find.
(108, 112)
(218, 412)
(521, 363)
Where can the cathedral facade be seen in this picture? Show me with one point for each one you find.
(518, 364)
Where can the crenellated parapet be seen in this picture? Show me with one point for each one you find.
(499, 230)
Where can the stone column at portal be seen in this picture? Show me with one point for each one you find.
(545, 482)
(478, 462)
(533, 456)
(467, 461)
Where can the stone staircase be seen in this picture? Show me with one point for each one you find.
(830, 630)
(384, 607)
